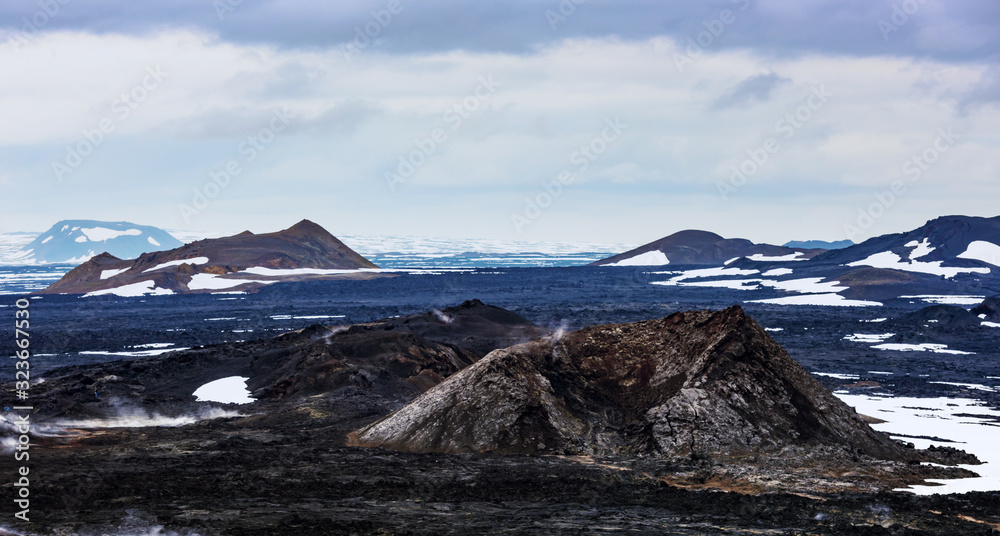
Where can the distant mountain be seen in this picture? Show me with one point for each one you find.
(75, 241)
(945, 246)
(948, 260)
(703, 247)
(236, 263)
(819, 244)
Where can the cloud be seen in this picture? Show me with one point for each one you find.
(957, 29)
(356, 118)
(985, 91)
(757, 88)
(240, 121)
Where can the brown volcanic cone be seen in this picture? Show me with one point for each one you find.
(694, 384)
(702, 247)
(304, 245)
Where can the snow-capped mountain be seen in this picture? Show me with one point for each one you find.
(945, 246)
(952, 259)
(76, 241)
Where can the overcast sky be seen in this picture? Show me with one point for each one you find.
(581, 120)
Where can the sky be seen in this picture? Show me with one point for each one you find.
(534, 120)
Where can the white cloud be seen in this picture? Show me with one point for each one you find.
(356, 118)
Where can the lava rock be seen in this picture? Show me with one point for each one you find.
(696, 384)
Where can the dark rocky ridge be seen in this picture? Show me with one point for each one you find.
(990, 307)
(702, 247)
(950, 325)
(304, 245)
(692, 385)
(939, 317)
(372, 367)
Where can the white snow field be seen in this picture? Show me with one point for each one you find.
(965, 423)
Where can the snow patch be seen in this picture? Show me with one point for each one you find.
(649, 258)
(981, 250)
(196, 260)
(868, 337)
(920, 249)
(973, 386)
(278, 272)
(888, 259)
(152, 241)
(784, 258)
(231, 390)
(835, 300)
(923, 347)
(47, 239)
(991, 324)
(215, 282)
(108, 274)
(135, 289)
(100, 234)
(704, 272)
(735, 284)
(948, 300)
(134, 353)
(777, 272)
(838, 375)
(807, 285)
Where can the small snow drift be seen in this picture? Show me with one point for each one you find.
(695, 384)
(231, 390)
